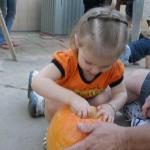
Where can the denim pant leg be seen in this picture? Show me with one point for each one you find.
(139, 49)
(11, 12)
(3, 6)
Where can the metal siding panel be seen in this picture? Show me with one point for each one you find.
(27, 16)
(59, 16)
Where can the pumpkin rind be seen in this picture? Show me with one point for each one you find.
(63, 131)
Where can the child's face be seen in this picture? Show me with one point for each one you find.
(91, 64)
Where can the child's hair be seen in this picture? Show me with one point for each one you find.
(107, 30)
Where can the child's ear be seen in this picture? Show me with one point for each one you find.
(76, 41)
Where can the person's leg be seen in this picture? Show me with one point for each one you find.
(89, 4)
(147, 62)
(134, 82)
(11, 12)
(3, 7)
(139, 49)
(138, 88)
(144, 94)
(119, 3)
(108, 2)
(129, 8)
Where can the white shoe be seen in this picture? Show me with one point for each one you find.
(133, 113)
(140, 122)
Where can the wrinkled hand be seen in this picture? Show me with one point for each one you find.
(106, 111)
(81, 107)
(102, 136)
(146, 108)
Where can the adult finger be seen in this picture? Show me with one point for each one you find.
(148, 113)
(88, 127)
(145, 108)
(85, 143)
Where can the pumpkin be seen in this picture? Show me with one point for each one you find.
(63, 131)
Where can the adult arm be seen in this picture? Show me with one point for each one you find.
(138, 138)
(109, 136)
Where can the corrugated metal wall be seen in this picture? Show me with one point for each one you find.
(28, 15)
(146, 12)
(59, 16)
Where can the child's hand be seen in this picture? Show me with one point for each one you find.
(81, 107)
(107, 111)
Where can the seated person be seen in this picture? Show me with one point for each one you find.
(138, 89)
(137, 50)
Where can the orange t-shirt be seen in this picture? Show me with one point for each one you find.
(73, 79)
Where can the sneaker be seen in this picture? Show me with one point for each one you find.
(36, 105)
(133, 113)
(36, 102)
(31, 75)
(140, 122)
(132, 110)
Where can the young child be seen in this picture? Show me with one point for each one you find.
(138, 89)
(80, 75)
(137, 50)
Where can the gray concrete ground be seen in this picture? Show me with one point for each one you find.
(18, 131)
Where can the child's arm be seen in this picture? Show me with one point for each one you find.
(119, 96)
(44, 84)
(118, 99)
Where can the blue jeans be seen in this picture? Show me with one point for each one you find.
(136, 50)
(139, 49)
(8, 8)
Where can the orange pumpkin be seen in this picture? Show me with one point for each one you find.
(63, 131)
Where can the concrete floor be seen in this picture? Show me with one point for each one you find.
(18, 131)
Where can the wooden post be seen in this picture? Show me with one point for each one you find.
(136, 18)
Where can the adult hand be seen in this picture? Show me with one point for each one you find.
(146, 108)
(102, 136)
